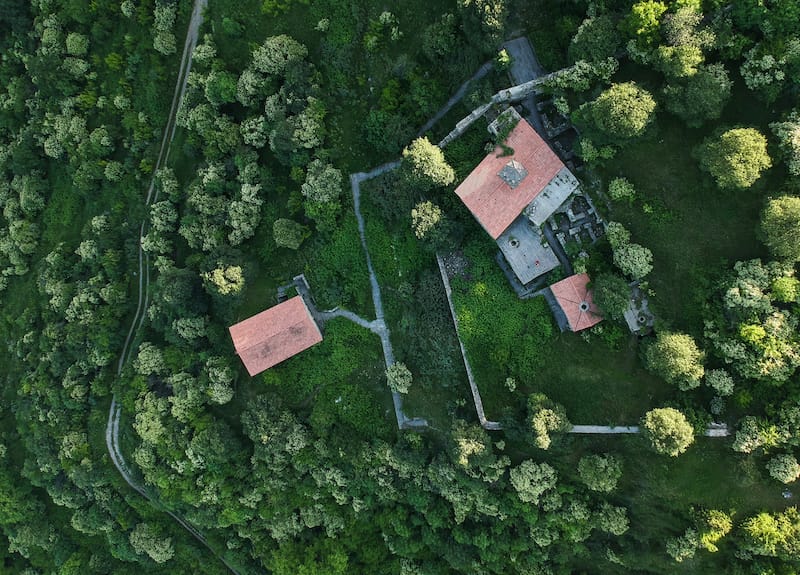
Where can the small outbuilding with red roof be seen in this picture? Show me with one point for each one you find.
(275, 334)
(574, 305)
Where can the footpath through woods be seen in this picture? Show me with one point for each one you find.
(143, 281)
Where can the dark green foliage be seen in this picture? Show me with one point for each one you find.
(612, 294)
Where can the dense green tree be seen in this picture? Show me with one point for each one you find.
(720, 381)
(612, 294)
(620, 113)
(532, 480)
(784, 468)
(148, 539)
(278, 54)
(545, 417)
(773, 535)
(288, 233)
(600, 472)
(701, 97)
(425, 167)
(621, 190)
(633, 260)
(788, 134)
(224, 280)
(676, 358)
(597, 38)
(642, 24)
(736, 158)
(668, 431)
(780, 225)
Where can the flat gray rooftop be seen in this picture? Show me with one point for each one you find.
(523, 247)
(551, 197)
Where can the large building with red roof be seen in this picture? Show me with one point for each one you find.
(274, 335)
(574, 300)
(513, 191)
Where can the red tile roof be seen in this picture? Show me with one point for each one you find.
(493, 202)
(576, 301)
(276, 334)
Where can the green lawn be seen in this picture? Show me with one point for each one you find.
(692, 227)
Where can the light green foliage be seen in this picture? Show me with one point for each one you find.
(545, 417)
(425, 167)
(77, 44)
(164, 20)
(612, 519)
(597, 38)
(773, 535)
(582, 75)
(788, 134)
(720, 381)
(323, 182)
(678, 61)
(150, 360)
(399, 378)
(683, 547)
(278, 54)
(786, 289)
(668, 431)
(621, 190)
(617, 235)
(644, 20)
(532, 480)
(763, 72)
(426, 217)
(147, 539)
(676, 358)
(712, 526)
(620, 113)
(288, 233)
(225, 280)
(780, 225)
(612, 294)
(491, 16)
(754, 434)
(757, 338)
(736, 158)
(784, 468)
(633, 260)
(600, 472)
(700, 97)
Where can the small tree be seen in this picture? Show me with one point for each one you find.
(424, 166)
(720, 381)
(780, 226)
(545, 417)
(633, 260)
(621, 190)
(617, 235)
(399, 378)
(288, 233)
(600, 472)
(784, 468)
(668, 431)
(224, 280)
(612, 294)
(676, 358)
(786, 289)
(736, 158)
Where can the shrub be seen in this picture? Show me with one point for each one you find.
(621, 190)
(784, 468)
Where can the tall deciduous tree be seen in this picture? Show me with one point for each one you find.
(676, 358)
(668, 431)
(780, 225)
(612, 294)
(620, 113)
(424, 166)
(736, 158)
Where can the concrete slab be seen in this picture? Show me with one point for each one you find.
(524, 248)
(551, 197)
